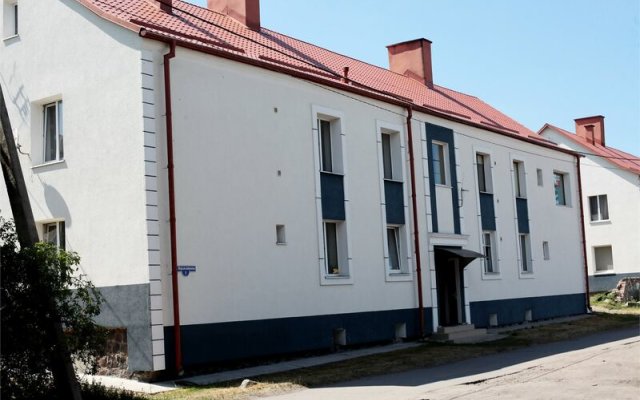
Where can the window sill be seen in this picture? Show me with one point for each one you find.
(484, 192)
(491, 276)
(398, 276)
(443, 186)
(281, 243)
(604, 273)
(601, 222)
(394, 180)
(526, 275)
(48, 164)
(332, 173)
(330, 280)
(564, 205)
(11, 38)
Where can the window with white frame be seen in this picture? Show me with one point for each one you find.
(393, 247)
(525, 253)
(483, 169)
(603, 256)
(439, 162)
(561, 188)
(335, 251)
(53, 133)
(54, 233)
(519, 179)
(387, 159)
(330, 145)
(599, 208)
(10, 18)
(488, 247)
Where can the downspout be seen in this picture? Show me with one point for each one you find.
(416, 237)
(584, 240)
(172, 209)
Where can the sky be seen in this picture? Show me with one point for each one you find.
(537, 61)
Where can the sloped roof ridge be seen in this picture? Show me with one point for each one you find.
(615, 156)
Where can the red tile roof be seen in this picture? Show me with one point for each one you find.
(206, 29)
(617, 157)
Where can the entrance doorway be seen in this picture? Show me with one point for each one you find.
(450, 285)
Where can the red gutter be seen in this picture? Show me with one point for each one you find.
(416, 231)
(172, 208)
(584, 240)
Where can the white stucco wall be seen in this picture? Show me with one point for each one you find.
(65, 52)
(230, 143)
(236, 126)
(622, 187)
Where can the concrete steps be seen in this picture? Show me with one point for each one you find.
(466, 333)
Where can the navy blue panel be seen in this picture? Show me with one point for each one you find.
(394, 199)
(442, 134)
(332, 190)
(211, 343)
(512, 311)
(487, 212)
(523, 215)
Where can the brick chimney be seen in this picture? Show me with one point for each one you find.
(247, 12)
(164, 5)
(591, 129)
(412, 59)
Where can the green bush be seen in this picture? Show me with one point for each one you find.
(26, 350)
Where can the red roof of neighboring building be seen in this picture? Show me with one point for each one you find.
(206, 29)
(617, 157)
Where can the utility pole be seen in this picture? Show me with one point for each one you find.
(61, 367)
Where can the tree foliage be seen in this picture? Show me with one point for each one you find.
(25, 348)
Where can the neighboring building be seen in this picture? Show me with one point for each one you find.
(318, 200)
(611, 197)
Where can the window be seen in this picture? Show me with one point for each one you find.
(325, 146)
(483, 169)
(539, 175)
(490, 266)
(54, 233)
(387, 164)
(335, 248)
(599, 207)
(393, 244)
(545, 250)
(53, 135)
(10, 20)
(525, 252)
(560, 183)
(519, 179)
(331, 248)
(439, 163)
(604, 258)
(280, 235)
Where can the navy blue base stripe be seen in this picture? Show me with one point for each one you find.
(229, 341)
(512, 311)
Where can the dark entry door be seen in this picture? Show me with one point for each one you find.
(449, 284)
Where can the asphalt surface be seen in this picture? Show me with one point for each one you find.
(605, 365)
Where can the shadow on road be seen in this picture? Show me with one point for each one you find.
(489, 363)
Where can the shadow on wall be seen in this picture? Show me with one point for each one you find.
(56, 204)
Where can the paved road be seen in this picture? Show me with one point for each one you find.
(600, 366)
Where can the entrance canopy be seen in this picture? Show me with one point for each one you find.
(463, 255)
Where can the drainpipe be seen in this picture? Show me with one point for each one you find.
(172, 209)
(584, 240)
(414, 207)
